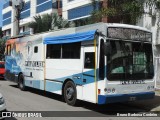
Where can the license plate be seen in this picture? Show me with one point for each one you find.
(132, 98)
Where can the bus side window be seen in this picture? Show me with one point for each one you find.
(8, 50)
(36, 49)
(101, 61)
(89, 60)
(53, 51)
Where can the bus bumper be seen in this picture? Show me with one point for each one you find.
(104, 99)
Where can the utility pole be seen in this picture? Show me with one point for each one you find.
(17, 6)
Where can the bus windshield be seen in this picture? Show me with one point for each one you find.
(130, 61)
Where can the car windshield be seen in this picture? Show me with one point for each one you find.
(130, 61)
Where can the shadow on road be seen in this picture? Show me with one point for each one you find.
(109, 109)
(10, 118)
(148, 105)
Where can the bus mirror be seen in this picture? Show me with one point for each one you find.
(107, 48)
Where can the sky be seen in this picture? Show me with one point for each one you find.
(1, 6)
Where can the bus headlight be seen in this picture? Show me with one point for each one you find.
(113, 90)
(109, 90)
(150, 87)
(1, 101)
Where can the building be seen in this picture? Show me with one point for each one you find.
(75, 10)
(72, 10)
(31, 8)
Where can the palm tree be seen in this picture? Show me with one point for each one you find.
(58, 22)
(48, 22)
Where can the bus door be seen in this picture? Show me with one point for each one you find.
(89, 92)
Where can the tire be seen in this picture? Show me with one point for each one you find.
(70, 93)
(21, 83)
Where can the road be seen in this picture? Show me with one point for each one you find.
(35, 100)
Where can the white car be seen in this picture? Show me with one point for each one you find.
(2, 105)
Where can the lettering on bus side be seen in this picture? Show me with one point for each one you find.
(132, 82)
(34, 63)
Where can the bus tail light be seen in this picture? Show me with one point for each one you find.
(99, 91)
(150, 87)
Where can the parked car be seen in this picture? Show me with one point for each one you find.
(2, 106)
(2, 70)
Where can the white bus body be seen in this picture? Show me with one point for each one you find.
(78, 64)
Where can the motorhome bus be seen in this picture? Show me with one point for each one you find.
(99, 63)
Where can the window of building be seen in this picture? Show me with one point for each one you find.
(42, 1)
(6, 22)
(45, 6)
(55, 5)
(27, 6)
(83, 11)
(25, 14)
(60, 4)
(6, 5)
(7, 15)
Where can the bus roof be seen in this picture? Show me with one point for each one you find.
(127, 26)
(102, 27)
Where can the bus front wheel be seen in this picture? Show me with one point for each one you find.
(70, 93)
(21, 82)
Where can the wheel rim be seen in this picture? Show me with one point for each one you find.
(70, 93)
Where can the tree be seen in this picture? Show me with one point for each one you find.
(2, 49)
(119, 11)
(41, 23)
(58, 22)
(1, 33)
(48, 22)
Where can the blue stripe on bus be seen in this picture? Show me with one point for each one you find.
(52, 86)
(78, 78)
(35, 84)
(104, 99)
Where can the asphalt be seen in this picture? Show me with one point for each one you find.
(34, 100)
(148, 105)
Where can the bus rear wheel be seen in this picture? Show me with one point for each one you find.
(70, 93)
(21, 82)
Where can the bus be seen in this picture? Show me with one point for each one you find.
(99, 63)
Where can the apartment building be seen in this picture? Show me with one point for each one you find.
(31, 9)
(72, 10)
(75, 10)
